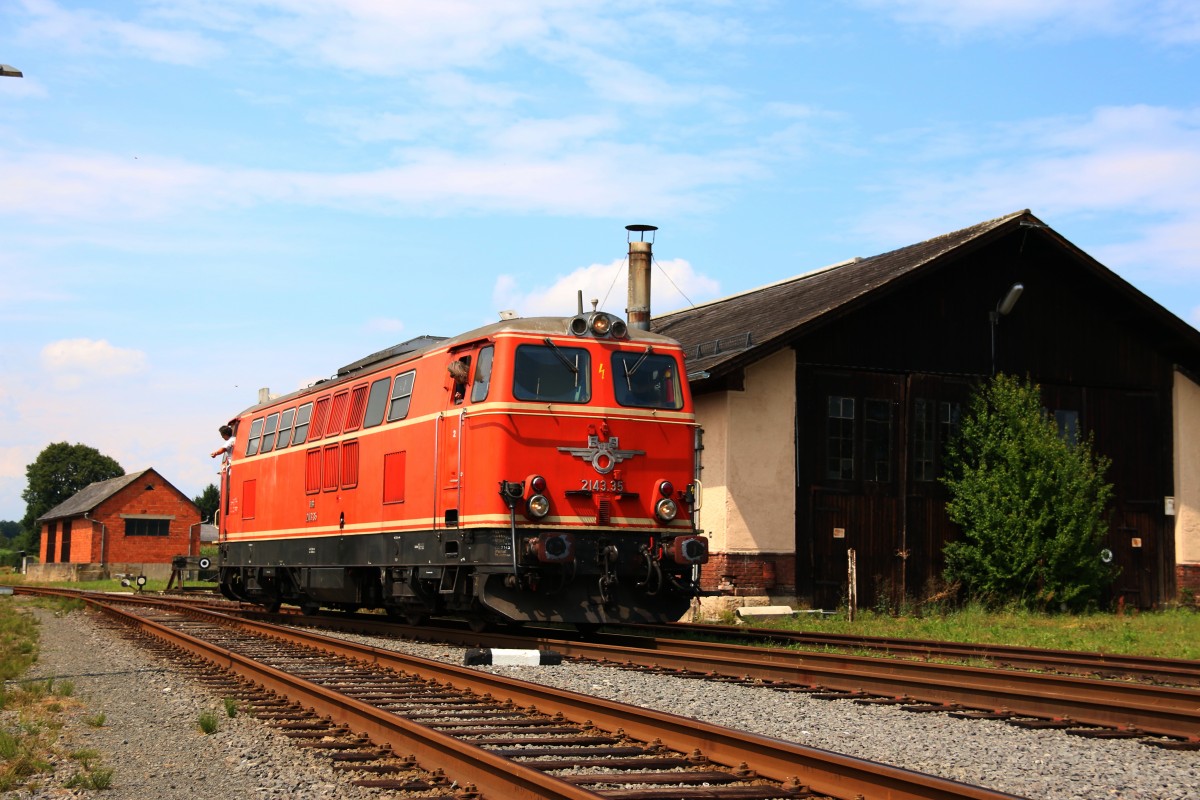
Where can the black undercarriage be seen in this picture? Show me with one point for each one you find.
(583, 578)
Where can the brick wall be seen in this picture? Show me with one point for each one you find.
(1187, 579)
(750, 574)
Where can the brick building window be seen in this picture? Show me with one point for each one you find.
(141, 526)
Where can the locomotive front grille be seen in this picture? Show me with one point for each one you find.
(603, 511)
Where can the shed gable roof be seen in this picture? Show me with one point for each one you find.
(91, 496)
(722, 336)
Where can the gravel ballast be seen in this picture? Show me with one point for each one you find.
(152, 739)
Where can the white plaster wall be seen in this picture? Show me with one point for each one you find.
(760, 500)
(712, 413)
(1187, 470)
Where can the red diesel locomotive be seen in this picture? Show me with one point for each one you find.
(536, 469)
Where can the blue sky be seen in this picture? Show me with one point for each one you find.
(203, 198)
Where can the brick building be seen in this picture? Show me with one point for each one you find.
(135, 519)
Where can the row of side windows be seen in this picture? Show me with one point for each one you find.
(331, 415)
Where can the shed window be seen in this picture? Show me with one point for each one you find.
(147, 527)
(839, 438)
(401, 396)
(923, 442)
(877, 440)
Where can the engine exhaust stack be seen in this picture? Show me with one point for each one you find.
(638, 312)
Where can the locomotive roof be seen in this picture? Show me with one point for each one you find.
(413, 348)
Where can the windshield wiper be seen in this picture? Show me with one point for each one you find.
(574, 368)
(636, 366)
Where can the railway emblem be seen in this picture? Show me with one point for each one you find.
(603, 455)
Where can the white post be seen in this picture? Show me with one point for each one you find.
(852, 584)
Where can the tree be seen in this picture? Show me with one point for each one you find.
(9, 529)
(58, 472)
(1030, 503)
(208, 502)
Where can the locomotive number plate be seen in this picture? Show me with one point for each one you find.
(601, 485)
(310, 516)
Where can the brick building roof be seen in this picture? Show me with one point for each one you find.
(92, 495)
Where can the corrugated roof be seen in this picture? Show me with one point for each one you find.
(90, 496)
(719, 335)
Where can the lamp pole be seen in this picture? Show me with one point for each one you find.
(1003, 308)
(7, 71)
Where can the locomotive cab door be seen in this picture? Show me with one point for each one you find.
(467, 375)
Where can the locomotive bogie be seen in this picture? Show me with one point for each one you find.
(532, 470)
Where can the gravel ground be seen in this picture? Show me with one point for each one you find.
(152, 739)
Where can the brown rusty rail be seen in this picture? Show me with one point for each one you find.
(494, 776)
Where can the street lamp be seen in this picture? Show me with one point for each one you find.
(7, 71)
(1003, 308)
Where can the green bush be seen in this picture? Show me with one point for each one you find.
(1031, 505)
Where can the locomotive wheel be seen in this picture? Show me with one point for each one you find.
(272, 606)
(477, 624)
(309, 609)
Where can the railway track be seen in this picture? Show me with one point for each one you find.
(1175, 671)
(1159, 715)
(492, 736)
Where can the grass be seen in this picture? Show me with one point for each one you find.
(1166, 634)
(208, 722)
(32, 713)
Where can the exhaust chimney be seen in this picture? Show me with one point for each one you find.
(638, 312)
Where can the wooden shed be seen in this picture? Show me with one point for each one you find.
(826, 400)
(138, 518)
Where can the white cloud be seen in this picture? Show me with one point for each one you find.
(1167, 21)
(591, 180)
(1142, 162)
(72, 361)
(608, 284)
(90, 31)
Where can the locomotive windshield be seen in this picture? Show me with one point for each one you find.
(552, 374)
(646, 380)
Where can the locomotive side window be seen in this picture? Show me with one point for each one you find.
(349, 464)
(552, 374)
(337, 415)
(646, 380)
(330, 467)
(401, 396)
(255, 437)
(285, 429)
(377, 402)
(319, 416)
(268, 440)
(358, 399)
(312, 470)
(483, 375)
(303, 416)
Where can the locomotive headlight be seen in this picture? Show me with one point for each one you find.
(538, 506)
(666, 488)
(579, 326)
(601, 324)
(666, 509)
(619, 329)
